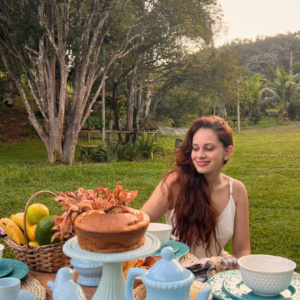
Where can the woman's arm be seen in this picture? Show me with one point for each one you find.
(157, 205)
(241, 236)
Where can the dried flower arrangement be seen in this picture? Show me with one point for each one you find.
(73, 204)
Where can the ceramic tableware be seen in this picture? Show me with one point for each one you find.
(112, 283)
(6, 267)
(64, 287)
(9, 288)
(180, 249)
(167, 279)
(89, 272)
(228, 285)
(161, 231)
(1, 251)
(237, 289)
(173, 244)
(19, 269)
(266, 275)
(25, 295)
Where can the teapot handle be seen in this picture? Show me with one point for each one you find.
(134, 272)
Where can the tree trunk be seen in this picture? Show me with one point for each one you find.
(130, 104)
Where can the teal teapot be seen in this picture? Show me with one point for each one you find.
(166, 280)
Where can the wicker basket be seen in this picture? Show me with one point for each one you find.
(48, 258)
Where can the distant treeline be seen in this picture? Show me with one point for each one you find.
(265, 54)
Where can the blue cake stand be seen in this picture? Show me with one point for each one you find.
(112, 283)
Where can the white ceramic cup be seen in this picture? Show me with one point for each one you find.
(161, 231)
(1, 251)
(9, 288)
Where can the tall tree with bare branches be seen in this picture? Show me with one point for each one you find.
(47, 45)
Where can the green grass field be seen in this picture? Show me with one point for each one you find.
(266, 160)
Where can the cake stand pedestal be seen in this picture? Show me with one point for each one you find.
(112, 283)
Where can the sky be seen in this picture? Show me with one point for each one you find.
(249, 18)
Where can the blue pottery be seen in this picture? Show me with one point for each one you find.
(167, 279)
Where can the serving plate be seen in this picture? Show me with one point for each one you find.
(180, 249)
(20, 270)
(173, 244)
(6, 267)
(229, 285)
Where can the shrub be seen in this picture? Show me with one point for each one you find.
(93, 122)
(145, 146)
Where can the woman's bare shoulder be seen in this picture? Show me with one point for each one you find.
(239, 191)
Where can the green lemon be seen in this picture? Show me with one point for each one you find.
(44, 232)
(36, 212)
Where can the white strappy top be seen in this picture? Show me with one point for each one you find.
(225, 227)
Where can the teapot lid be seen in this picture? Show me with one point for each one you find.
(167, 269)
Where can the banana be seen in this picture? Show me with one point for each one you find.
(13, 231)
(18, 219)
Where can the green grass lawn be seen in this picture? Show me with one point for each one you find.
(266, 160)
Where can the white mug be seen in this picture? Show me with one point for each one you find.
(9, 288)
(1, 251)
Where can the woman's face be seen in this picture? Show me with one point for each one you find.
(208, 153)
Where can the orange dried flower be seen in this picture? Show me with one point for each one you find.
(74, 204)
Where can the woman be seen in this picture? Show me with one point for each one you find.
(205, 207)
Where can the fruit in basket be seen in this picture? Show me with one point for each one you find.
(34, 244)
(36, 212)
(44, 232)
(13, 231)
(31, 232)
(18, 219)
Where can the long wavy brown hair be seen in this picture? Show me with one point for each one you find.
(195, 218)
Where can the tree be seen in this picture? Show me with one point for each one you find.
(156, 64)
(250, 105)
(207, 81)
(285, 87)
(48, 45)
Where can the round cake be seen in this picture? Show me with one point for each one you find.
(117, 229)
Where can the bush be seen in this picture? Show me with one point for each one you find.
(93, 123)
(256, 116)
(30, 132)
(144, 148)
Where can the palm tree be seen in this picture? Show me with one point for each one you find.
(285, 88)
(252, 92)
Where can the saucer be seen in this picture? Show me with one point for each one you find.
(236, 288)
(217, 283)
(180, 249)
(173, 244)
(20, 270)
(25, 295)
(228, 285)
(6, 267)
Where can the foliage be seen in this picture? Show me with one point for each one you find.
(251, 95)
(93, 122)
(285, 88)
(145, 146)
(265, 55)
(208, 85)
(115, 152)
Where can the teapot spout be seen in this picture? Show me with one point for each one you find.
(205, 293)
